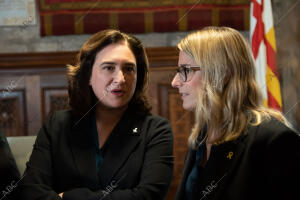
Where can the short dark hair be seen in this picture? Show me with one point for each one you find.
(81, 96)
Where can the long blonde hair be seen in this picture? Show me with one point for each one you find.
(229, 98)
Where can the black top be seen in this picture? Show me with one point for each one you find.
(191, 187)
(263, 163)
(9, 174)
(137, 163)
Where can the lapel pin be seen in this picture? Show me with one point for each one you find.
(230, 154)
(134, 131)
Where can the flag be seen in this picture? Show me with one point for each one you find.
(263, 46)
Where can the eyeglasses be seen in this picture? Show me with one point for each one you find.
(186, 72)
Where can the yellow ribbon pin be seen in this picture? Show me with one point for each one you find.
(230, 154)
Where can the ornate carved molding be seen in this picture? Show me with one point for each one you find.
(13, 112)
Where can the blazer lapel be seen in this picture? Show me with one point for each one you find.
(219, 169)
(124, 139)
(81, 142)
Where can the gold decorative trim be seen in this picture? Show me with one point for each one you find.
(48, 24)
(113, 20)
(182, 19)
(148, 22)
(246, 18)
(215, 17)
(78, 23)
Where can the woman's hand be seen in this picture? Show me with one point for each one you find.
(61, 195)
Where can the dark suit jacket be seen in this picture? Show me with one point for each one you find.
(9, 174)
(137, 165)
(264, 163)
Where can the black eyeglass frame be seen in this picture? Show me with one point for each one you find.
(183, 72)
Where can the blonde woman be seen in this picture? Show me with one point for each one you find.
(237, 149)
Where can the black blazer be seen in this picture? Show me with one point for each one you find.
(137, 165)
(264, 163)
(9, 174)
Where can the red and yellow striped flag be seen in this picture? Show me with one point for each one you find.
(264, 51)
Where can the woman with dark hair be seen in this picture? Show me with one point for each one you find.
(238, 150)
(108, 145)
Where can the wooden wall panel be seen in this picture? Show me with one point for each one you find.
(54, 99)
(13, 112)
(33, 103)
(181, 122)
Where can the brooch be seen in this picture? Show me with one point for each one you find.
(230, 154)
(134, 131)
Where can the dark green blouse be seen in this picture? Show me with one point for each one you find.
(99, 152)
